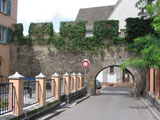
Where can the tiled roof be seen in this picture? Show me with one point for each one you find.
(94, 14)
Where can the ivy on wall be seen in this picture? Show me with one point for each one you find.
(16, 32)
(137, 27)
(40, 32)
(72, 35)
(16, 35)
(105, 30)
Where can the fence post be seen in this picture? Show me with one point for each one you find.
(151, 80)
(74, 76)
(55, 78)
(18, 86)
(158, 83)
(80, 80)
(66, 83)
(41, 89)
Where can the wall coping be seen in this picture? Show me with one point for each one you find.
(41, 76)
(55, 75)
(79, 74)
(66, 74)
(15, 76)
(73, 74)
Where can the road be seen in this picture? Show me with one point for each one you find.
(112, 104)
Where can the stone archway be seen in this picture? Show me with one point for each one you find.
(136, 73)
(120, 75)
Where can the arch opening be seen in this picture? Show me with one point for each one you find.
(113, 76)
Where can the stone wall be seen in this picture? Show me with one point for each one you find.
(31, 60)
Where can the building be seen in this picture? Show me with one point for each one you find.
(93, 14)
(8, 16)
(114, 75)
(120, 11)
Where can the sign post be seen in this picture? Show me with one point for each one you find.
(85, 65)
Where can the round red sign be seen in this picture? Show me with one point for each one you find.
(85, 63)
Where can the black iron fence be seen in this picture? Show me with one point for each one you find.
(48, 88)
(83, 82)
(6, 98)
(31, 92)
(62, 89)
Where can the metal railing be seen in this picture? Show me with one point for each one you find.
(31, 93)
(62, 90)
(62, 86)
(48, 88)
(83, 82)
(6, 98)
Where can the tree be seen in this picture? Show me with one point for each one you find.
(148, 47)
(141, 6)
(153, 11)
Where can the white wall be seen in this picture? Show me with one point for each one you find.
(100, 76)
(125, 9)
(112, 78)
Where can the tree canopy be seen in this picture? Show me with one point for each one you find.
(148, 47)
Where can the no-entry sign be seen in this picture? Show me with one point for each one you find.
(85, 63)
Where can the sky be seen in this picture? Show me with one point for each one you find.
(53, 10)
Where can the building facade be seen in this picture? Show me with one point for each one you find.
(114, 75)
(8, 16)
(122, 10)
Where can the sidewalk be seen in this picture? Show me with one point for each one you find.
(62, 108)
(151, 108)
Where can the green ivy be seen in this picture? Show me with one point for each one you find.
(72, 35)
(137, 27)
(104, 30)
(16, 33)
(41, 32)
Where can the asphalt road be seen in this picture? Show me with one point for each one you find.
(112, 104)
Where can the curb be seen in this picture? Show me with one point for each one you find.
(150, 109)
(64, 108)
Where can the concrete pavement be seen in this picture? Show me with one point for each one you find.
(113, 104)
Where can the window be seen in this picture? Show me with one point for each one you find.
(122, 33)
(112, 70)
(3, 34)
(5, 6)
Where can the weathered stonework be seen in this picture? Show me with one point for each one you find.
(31, 60)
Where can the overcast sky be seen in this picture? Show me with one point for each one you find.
(54, 10)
